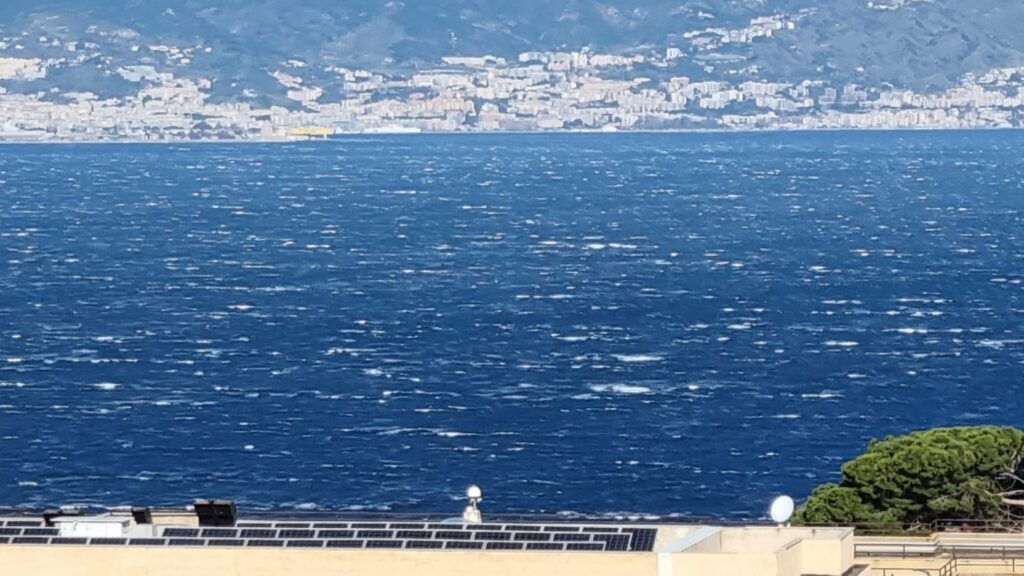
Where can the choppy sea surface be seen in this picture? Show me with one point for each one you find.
(684, 324)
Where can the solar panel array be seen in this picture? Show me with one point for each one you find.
(365, 535)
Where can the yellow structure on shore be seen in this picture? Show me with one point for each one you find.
(194, 543)
(310, 132)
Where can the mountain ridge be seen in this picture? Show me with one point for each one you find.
(912, 44)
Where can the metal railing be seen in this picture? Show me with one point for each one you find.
(951, 568)
(933, 527)
(935, 549)
(1002, 553)
(901, 551)
(1007, 566)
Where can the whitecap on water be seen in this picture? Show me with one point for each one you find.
(825, 395)
(451, 434)
(637, 358)
(621, 389)
(108, 386)
(842, 344)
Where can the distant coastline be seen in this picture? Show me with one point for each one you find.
(470, 133)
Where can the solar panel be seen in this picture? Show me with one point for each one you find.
(69, 541)
(373, 535)
(305, 544)
(523, 528)
(532, 537)
(455, 545)
(336, 534)
(265, 543)
(561, 528)
(185, 542)
(614, 542)
(220, 533)
(493, 536)
(30, 540)
(544, 546)
(572, 537)
(584, 547)
(424, 544)
(642, 539)
(344, 543)
(147, 542)
(258, 533)
(505, 545)
(180, 533)
(412, 534)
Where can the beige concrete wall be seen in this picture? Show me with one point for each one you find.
(830, 557)
(710, 545)
(669, 534)
(754, 551)
(761, 539)
(115, 561)
(725, 565)
(791, 561)
(755, 540)
(175, 518)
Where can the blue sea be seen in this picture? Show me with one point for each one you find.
(662, 324)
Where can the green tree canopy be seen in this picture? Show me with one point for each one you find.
(945, 473)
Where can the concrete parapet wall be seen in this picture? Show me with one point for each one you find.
(695, 551)
(100, 561)
(727, 565)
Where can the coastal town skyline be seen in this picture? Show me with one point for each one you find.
(686, 86)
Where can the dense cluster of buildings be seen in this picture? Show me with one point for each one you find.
(537, 91)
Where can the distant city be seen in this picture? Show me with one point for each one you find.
(579, 90)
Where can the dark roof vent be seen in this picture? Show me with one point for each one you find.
(216, 513)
